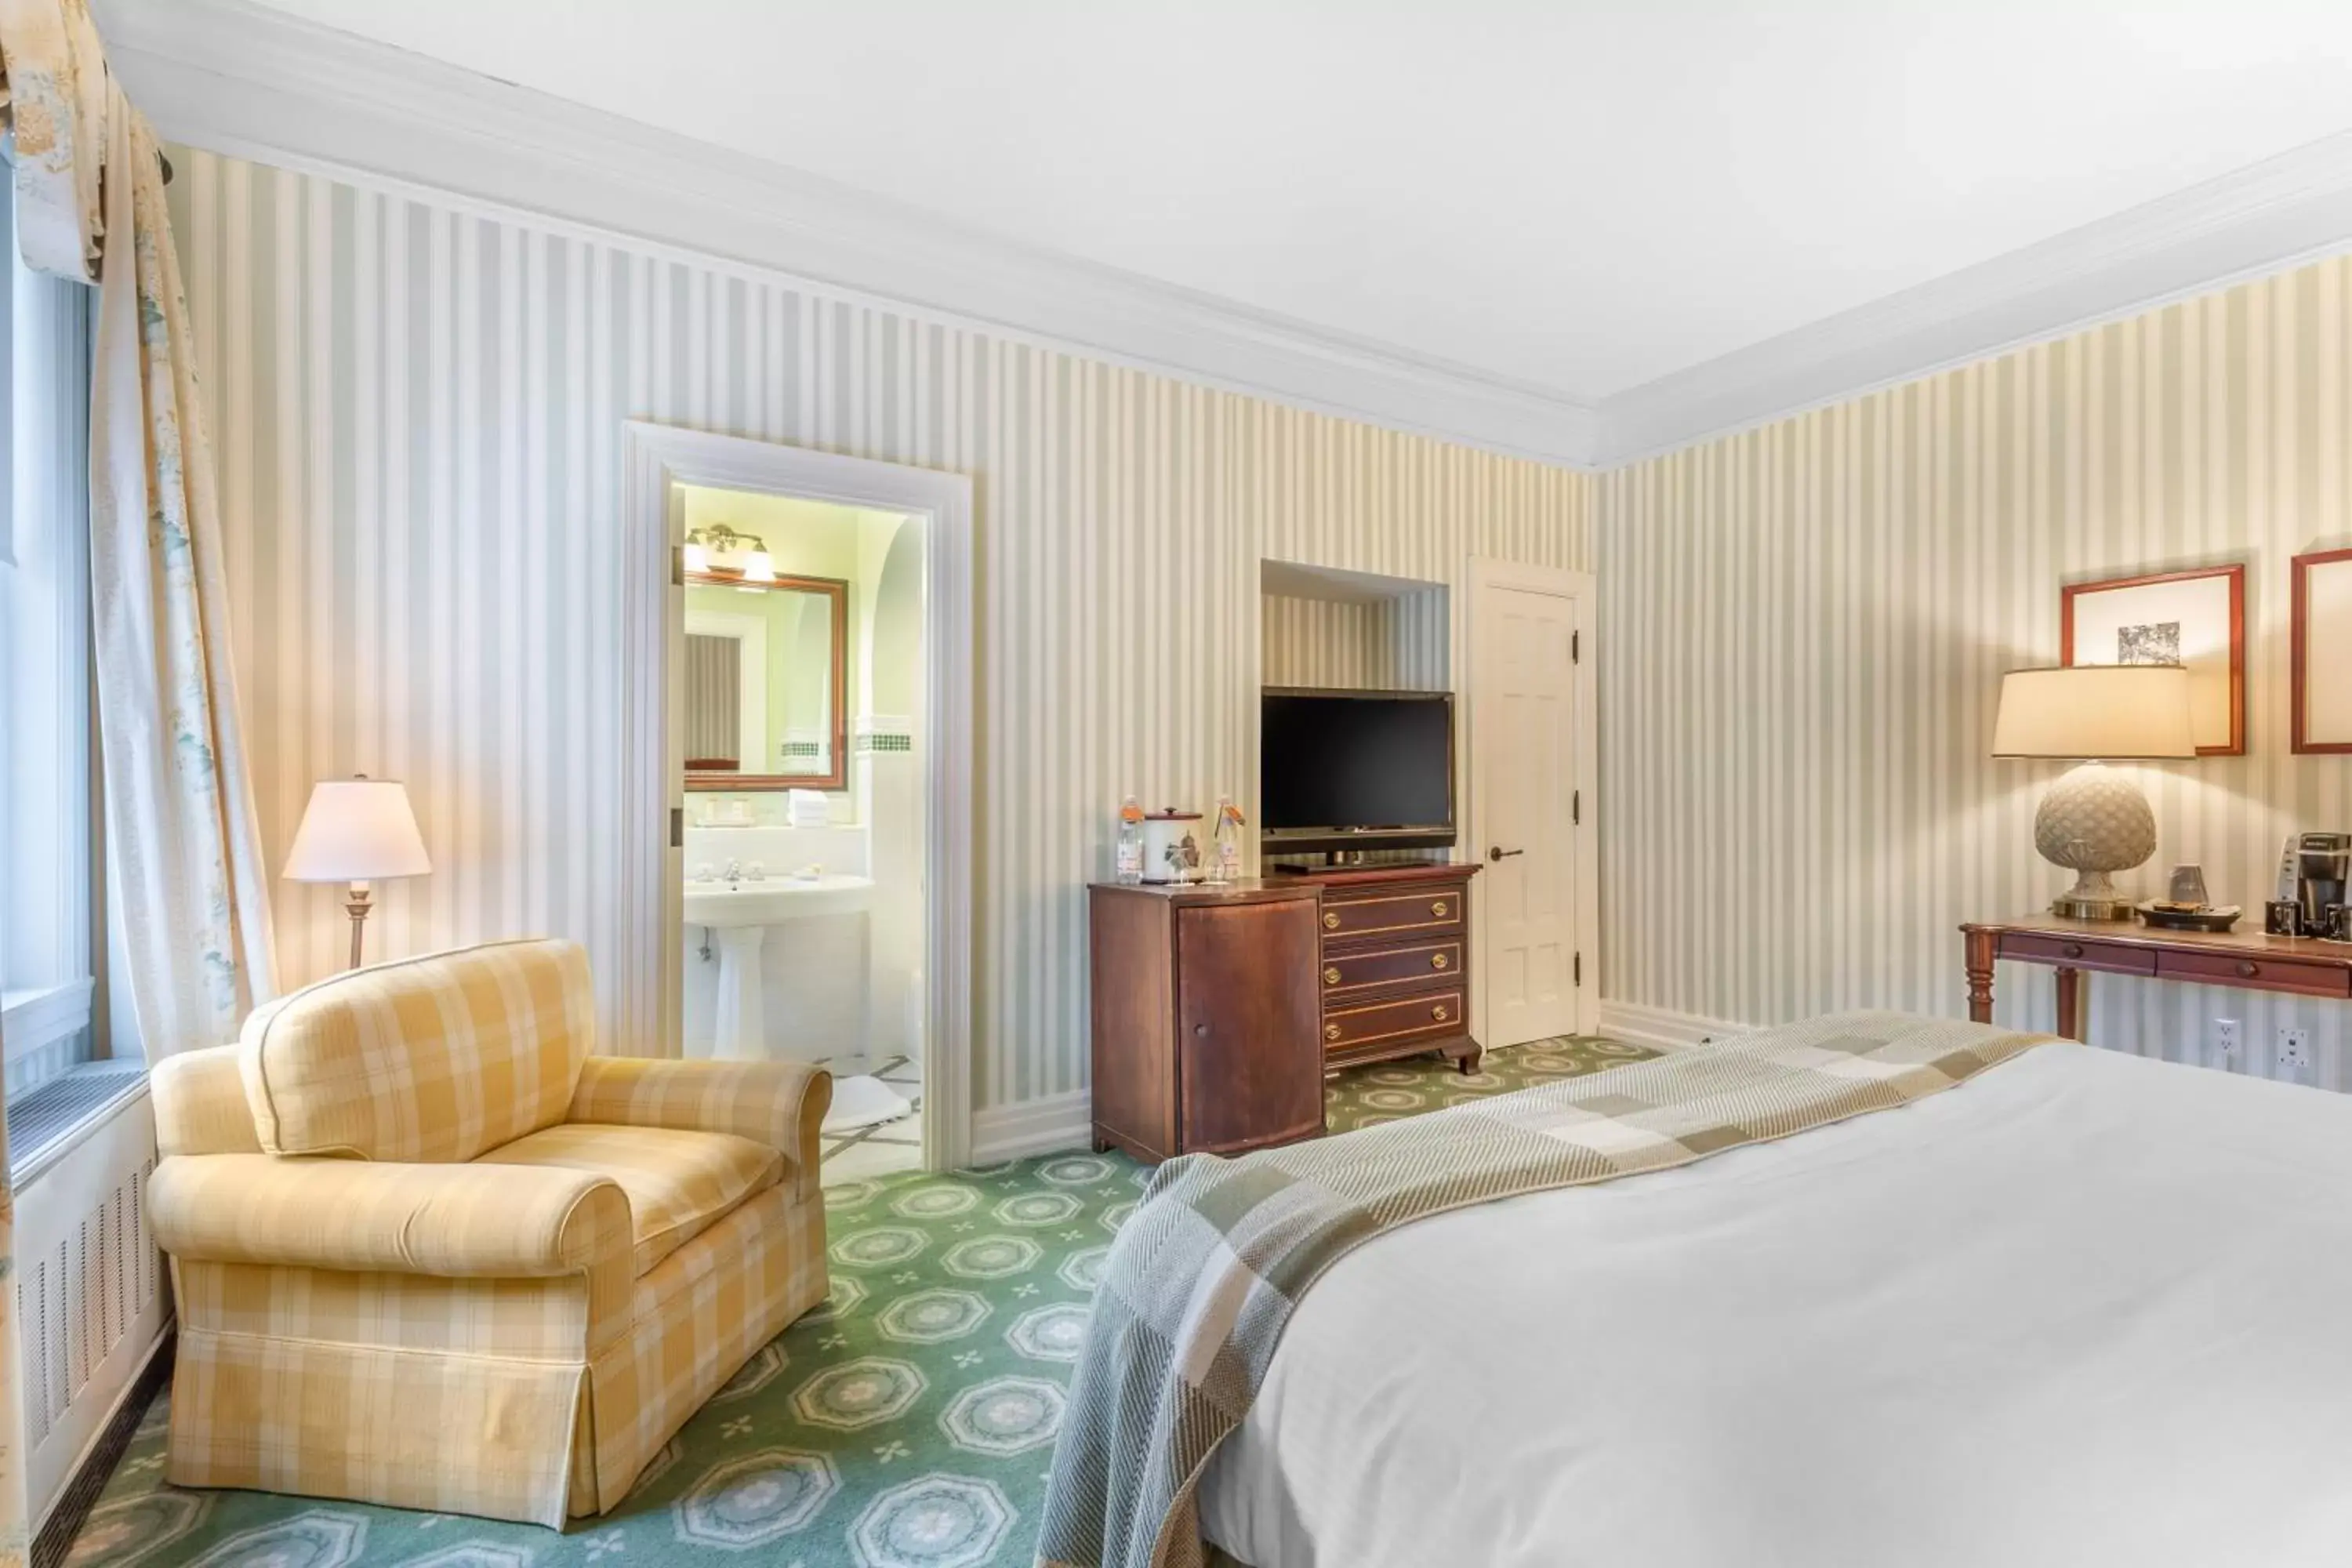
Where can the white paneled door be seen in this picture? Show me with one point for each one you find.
(1532, 824)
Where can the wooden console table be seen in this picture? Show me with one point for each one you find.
(2249, 961)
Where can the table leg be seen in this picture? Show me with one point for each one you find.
(1981, 945)
(2074, 1005)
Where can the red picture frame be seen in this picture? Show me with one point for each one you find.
(2235, 574)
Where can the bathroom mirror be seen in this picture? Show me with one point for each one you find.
(766, 671)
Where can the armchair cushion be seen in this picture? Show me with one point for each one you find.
(780, 1104)
(679, 1184)
(347, 1215)
(425, 1060)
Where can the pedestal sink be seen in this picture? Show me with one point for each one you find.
(738, 916)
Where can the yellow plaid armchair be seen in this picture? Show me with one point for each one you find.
(429, 1252)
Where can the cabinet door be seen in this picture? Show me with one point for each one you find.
(1248, 1014)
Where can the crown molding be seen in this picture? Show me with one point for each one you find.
(2260, 219)
(237, 78)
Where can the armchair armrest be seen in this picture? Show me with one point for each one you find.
(497, 1222)
(781, 1104)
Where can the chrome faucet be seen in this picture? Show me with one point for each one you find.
(734, 873)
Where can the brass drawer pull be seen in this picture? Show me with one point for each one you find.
(1438, 1012)
(1332, 920)
(2250, 970)
(1331, 1031)
(2073, 950)
(1436, 960)
(1438, 908)
(1331, 977)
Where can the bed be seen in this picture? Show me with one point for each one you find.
(2084, 1308)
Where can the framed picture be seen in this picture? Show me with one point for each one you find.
(2323, 651)
(2196, 618)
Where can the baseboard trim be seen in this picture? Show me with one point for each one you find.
(1043, 1126)
(1662, 1029)
(56, 1536)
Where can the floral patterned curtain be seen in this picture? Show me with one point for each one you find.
(184, 838)
(182, 831)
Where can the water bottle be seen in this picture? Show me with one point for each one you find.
(1131, 841)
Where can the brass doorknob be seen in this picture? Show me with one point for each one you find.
(1332, 920)
(1331, 977)
(1438, 1012)
(1330, 1031)
(1436, 960)
(1438, 908)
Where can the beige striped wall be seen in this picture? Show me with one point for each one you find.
(1805, 625)
(418, 410)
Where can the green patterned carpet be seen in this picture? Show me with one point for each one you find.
(907, 1424)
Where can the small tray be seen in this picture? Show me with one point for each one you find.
(2214, 919)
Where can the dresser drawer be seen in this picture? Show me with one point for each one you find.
(1432, 1012)
(1348, 976)
(2255, 971)
(1426, 911)
(2078, 952)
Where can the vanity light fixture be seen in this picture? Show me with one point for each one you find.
(704, 546)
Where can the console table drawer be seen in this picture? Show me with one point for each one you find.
(1434, 1013)
(2256, 974)
(2070, 952)
(1346, 975)
(1429, 911)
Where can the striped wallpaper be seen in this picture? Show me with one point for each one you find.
(418, 409)
(1804, 627)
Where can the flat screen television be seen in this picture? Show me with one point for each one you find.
(1342, 769)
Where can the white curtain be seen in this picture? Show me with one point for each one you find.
(181, 832)
(182, 837)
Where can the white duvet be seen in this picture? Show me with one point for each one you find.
(2086, 1309)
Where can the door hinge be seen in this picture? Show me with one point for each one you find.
(1576, 809)
(1576, 647)
(1579, 972)
(677, 566)
(678, 828)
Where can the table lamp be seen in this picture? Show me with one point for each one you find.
(357, 830)
(2095, 821)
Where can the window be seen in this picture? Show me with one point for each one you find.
(51, 898)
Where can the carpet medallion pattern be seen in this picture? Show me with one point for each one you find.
(908, 1423)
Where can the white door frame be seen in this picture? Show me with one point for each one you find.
(1484, 575)
(653, 614)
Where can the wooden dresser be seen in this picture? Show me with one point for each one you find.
(1394, 976)
(1206, 1018)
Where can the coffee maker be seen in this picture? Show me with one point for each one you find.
(2315, 872)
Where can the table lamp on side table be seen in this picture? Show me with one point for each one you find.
(2095, 821)
(357, 830)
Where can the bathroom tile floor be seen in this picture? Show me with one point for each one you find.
(888, 1147)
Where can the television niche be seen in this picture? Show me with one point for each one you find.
(1342, 770)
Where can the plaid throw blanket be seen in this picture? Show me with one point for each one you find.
(1204, 1275)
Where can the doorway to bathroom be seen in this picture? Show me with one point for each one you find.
(801, 705)
(816, 749)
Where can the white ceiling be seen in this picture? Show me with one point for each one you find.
(1578, 197)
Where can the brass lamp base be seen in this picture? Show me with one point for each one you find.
(357, 908)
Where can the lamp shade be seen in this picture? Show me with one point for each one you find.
(2095, 712)
(357, 830)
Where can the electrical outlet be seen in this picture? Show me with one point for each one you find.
(2229, 1045)
(2293, 1054)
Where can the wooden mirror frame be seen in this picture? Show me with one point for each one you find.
(769, 784)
